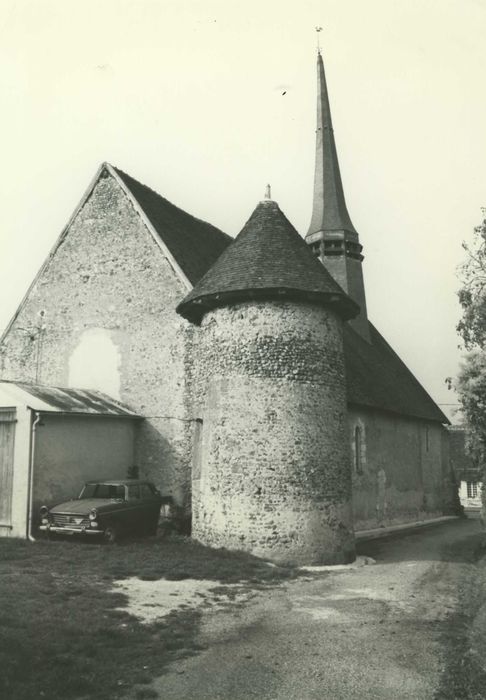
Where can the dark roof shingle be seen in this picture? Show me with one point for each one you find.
(195, 244)
(377, 377)
(268, 259)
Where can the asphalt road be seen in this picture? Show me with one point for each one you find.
(394, 630)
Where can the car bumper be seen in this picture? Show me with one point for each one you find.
(70, 530)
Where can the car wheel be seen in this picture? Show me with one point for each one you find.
(110, 535)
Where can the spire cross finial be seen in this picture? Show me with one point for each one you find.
(318, 29)
(268, 192)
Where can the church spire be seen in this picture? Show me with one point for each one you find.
(331, 235)
(329, 211)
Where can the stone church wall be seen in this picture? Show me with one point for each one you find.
(271, 473)
(102, 315)
(400, 469)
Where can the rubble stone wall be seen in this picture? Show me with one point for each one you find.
(273, 465)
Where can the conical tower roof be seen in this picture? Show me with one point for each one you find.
(267, 260)
(329, 211)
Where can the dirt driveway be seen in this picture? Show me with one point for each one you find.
(379, 631)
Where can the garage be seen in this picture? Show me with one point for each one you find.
(52, 440)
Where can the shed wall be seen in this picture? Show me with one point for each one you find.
(20, 482)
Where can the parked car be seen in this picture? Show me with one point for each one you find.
(107, 509)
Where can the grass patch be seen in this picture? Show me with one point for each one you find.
(464, 636)
(60, 635)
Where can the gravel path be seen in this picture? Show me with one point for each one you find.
(375, 632)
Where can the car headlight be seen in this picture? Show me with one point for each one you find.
(93, 514)
(45, 521)
(44, 511)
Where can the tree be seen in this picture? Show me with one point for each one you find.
(472, 295)
(470, 383)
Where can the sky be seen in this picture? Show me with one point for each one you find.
(208, 101)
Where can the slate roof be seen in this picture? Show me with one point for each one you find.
(195, 244)
(268, 259)
(75, 401)
(329, 211)
(376, 377)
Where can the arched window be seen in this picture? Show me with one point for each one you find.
(358, 449)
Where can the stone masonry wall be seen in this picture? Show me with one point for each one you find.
(402, 475)
(272, 469)
(102, 315)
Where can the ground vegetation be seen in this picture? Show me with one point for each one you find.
(64, 633)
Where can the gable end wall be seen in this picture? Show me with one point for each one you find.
(109, 278)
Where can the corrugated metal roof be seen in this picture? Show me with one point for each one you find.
(68, 400)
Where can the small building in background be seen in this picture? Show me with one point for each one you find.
(52, 440)
(467, 472)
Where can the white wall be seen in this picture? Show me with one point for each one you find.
(465, 500)
(95, 363)
(20, 485)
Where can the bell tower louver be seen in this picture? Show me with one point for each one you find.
(331, 235)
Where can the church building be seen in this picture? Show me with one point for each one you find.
(267, 403)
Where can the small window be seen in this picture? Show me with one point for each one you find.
(427, 438)
(358, 446)
(197, 449)
(472, 489)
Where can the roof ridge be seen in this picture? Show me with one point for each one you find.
(160, 196)
(191, 244)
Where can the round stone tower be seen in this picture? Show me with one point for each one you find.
(271, 471)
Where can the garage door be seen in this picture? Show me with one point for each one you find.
(7, 435)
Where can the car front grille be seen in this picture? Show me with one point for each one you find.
(61, 520)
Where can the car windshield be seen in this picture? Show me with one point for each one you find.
(103, 491)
